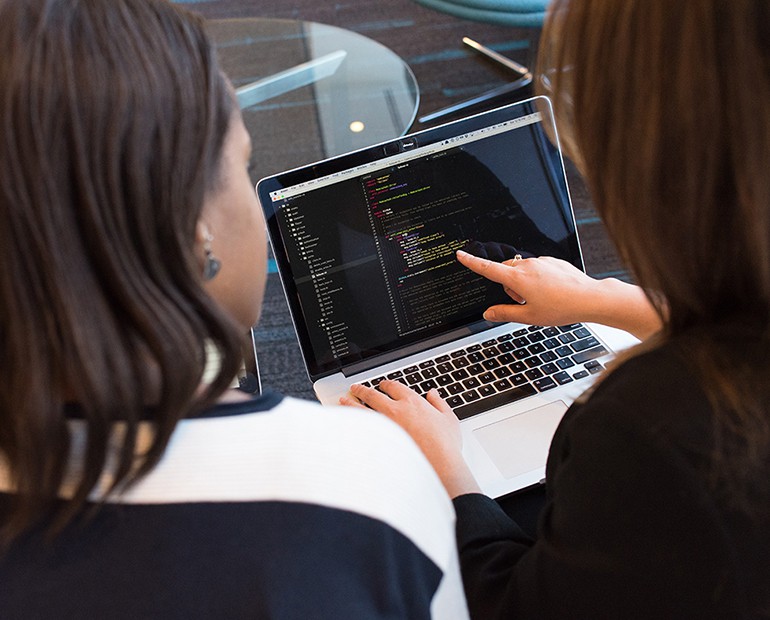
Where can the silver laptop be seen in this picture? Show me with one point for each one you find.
(365, 247)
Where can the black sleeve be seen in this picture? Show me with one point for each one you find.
(627, 532)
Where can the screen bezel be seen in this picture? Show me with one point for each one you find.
(382, 151)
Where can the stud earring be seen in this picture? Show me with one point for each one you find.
(212, 264)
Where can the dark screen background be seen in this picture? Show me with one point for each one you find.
(372, 257)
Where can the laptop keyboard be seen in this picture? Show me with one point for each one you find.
(515, 365)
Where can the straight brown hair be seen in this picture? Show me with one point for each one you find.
(113, 115)
(664, 108)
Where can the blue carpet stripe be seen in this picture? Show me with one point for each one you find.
(463, 52)
(621, 274)
(583, 221)
(381, 25)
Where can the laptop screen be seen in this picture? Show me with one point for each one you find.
(365, 243)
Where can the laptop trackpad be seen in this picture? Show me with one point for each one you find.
(520, 443)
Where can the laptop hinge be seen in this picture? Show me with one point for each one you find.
(418, 347)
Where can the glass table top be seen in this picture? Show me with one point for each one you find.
(310, 91)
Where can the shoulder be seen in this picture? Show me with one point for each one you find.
(298, 451)
(656, 392)
(629, 477)
(277, 496)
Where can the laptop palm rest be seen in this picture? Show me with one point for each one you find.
(516, 445)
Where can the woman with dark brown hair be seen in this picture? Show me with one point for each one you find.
(658, 492)
(134, 483)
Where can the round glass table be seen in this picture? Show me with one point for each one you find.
(310, 91)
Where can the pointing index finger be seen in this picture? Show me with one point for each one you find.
(497, 272)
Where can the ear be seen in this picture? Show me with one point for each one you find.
(202, 235)
(202, 232)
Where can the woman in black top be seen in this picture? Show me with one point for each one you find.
(658, 500)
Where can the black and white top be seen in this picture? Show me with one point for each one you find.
(274, 508)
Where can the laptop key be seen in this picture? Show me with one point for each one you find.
(442, 359)
(473, 347)
(502, 372)
(443, 393)
(395, 375)
(503, 385)
(518, 380)
(570, 327)
(458, 353)
(582, 374)
(549, 369)
(425, 386)
(477, 356)
(582, 333)
(565, 363)
(533, 374)
(487, 390)
(545, 384)
(505, 337)
(455, 388)
(430, 372)
(489, 343)
(521, 354)
(411, 369)
(445, 367)
(582, 345)
(454, 401)
(471, 396)
(594, 367)
(518, 367)
(505, 347)
(563, 351)
(427, 363)
(413, 379)
(444, 379)
(520, 332)
(487, 377)
(548, 356)
(496, 400)
(490, 364)
(491, 352)
(551, 331)
(590, 354)
(475, 369)
(459, 375)
(473, 382)
(562, 377)
(461, 362)
(533, 361)
(507, 358)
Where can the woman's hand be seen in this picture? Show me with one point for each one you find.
(550, 291)
(429, 421)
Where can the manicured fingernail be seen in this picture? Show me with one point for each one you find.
(462, 253)
(490, 315)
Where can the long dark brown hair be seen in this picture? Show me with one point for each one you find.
(113, 115)
(664, 107)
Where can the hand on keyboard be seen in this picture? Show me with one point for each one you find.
(429, 421)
